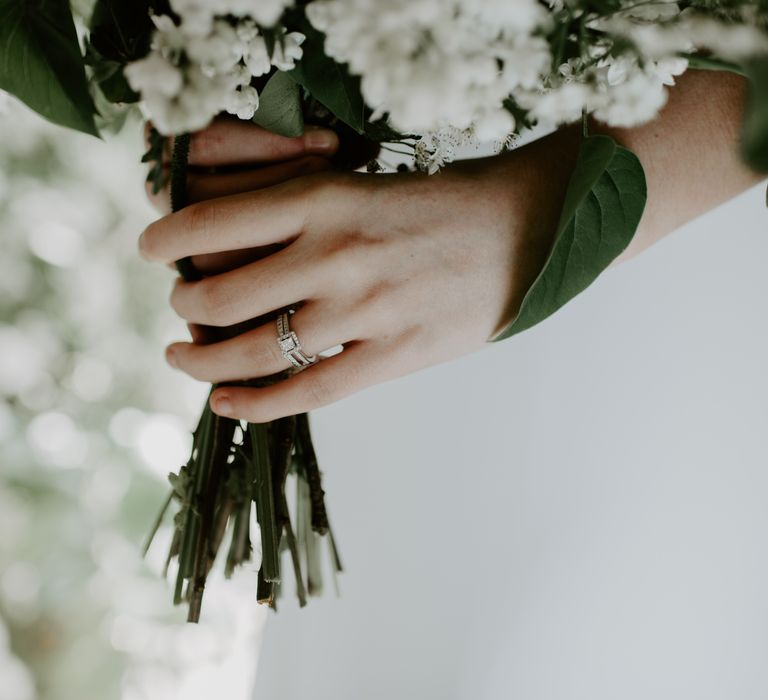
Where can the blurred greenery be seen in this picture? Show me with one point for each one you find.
(90, 425)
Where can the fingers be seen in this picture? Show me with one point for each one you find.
(245, 220)
(237, 142)
(256, 353)
(230, 141)
(249, 291)
(360, 365)
(201, 186)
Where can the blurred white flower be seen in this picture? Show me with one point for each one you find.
(56, 243)
(24, 361)
(155, 77)
(56, 440)
(163, 442)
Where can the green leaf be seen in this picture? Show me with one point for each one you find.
(121, 29)
(41, 63)
(602, 208)
(280, 107)
(701, 62)
(754, 137)
(329, 82)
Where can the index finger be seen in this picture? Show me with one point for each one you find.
(272, 215)
(228, 141)
(235, 142)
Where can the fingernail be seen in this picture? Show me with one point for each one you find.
(170, 356)
(222, 405)
(320, 140)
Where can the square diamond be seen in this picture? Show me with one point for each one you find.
(288, 343)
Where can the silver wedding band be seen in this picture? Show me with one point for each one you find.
(290, 347)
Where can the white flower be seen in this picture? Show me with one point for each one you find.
(154, 75)
(434, 149)
(526, 62)
(244, 102)
(667, 68)
(634, 101)
(196, 16)
(559, 105)
(265, 12)
(434, 64)
(288, 50)
(217, 52)
(495, 125)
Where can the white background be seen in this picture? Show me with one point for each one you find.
(579, 512)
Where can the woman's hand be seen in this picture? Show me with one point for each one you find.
(406, 271)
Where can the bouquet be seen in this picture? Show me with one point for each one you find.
(420, 77)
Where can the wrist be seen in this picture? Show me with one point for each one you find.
(533, 179)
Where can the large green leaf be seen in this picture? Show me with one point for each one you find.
(754, 138)
(602, 208)
(329, 82)
(280, 106)
(41, 62)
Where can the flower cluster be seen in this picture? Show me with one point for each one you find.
(448, 71)
(205, 63)
(433, 64)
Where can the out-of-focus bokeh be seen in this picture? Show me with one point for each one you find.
(91, 422)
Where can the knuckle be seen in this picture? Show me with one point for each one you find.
(201, 218)
(188, 363)
(177, 296)
(322, 186)
(150, 241)
(378, 307)
(264, 352)
(348, 258)
(319, 391)
(216, 301)
(205, 146)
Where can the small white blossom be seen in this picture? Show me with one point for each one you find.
(634, 101)
(287, 51)
(434, 149)
(155, 76)
(243, 102)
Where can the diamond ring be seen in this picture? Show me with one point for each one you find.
(290, 347)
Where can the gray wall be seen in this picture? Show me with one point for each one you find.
(580, 512)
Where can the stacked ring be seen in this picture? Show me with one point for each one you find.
(290, 347)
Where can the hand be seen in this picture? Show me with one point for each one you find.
(406, 271)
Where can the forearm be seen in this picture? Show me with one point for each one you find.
(690, 153)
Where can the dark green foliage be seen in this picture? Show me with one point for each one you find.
(754, 139)
(41, 62)
(280, 108)
(602, 208)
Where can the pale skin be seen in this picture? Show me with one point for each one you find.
(405, 270)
